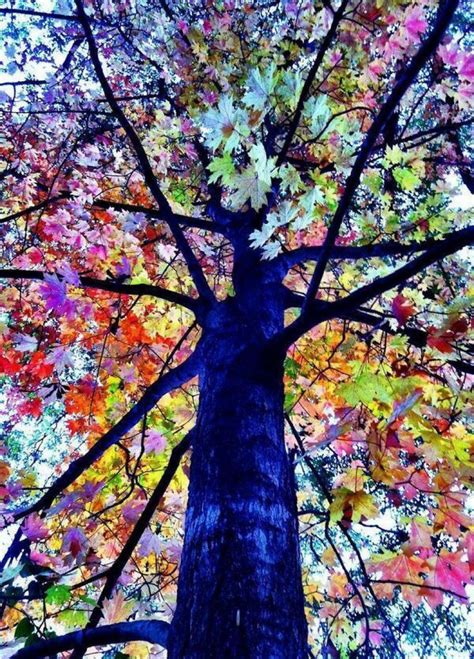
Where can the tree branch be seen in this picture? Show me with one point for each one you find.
(32, 209)
(319, 311)
(453, 593)
(153, 631)
(340, 252)
(309, 81)
(166, 211)
(113, 574)
(163, 385)
(39, 14)
(112, 286)
(456, 241)
(443, 19)
(184, 220)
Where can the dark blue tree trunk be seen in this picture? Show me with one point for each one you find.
(240, 592)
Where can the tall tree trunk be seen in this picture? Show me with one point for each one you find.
(240, 592)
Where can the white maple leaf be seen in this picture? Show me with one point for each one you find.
(271, 250)
(225, 124)
(316, 109)
(254, 182)
(259, 87)
(25, 343)
(249, 186)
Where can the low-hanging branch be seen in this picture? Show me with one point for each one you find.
(36, 207)
(153, 631)
(110, 285)
(184, 220)
(38, 14)
(114, 572)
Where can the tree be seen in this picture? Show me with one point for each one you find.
(233, 255)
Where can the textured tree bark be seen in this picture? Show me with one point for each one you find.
(240, 592)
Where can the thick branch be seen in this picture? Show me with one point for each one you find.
(318, 311)
(443, 19)
(163, 385)
(110, 285)
(153, 631)
(184, 220)
(377, 250)
(456, 241)
(144, 163)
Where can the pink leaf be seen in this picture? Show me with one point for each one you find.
(34, 528)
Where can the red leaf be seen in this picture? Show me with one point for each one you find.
(402, 309)
(440, 343)
(9, 367)
(32, 407)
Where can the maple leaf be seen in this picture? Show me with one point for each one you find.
(352, 505)
(54, 292)
(317, 110)
(222, 168)
(249, 187)
(154, 441)
(406, 178)
(402, 309)
(466, 70)
(132, 510)
(116, 608)
(260, 86)
(271, 250)
(150, 544)
(225, 124)
(448, 573)
(415, 23)
(26, 343)
(34, 528)
(74, 542)
(61, 358)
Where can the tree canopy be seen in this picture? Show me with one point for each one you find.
(150, 152)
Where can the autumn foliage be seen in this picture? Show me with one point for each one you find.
(150, 153)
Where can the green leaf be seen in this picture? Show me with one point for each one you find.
(366, 388)
(290, 178)
(222, 168)
(316, 109)
(72, 618)
(58, 594)
(24, 629)
(406, 179)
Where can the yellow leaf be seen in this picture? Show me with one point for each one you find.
(116, 609)
(137, 650)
